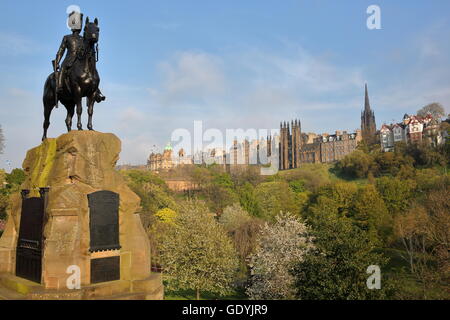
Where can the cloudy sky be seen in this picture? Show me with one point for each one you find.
(230, 64)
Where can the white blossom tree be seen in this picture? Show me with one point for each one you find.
(280, 246)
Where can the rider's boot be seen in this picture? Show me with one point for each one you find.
(59, 86)
(99, 97)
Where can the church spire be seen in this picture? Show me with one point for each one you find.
(368, 126)
(366, 101)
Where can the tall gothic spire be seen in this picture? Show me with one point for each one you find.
(366, 101)
(368, 125)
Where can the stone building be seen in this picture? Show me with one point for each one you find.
(296, 148)
(328, 148)
(289, 145)
(166, 160)
(368, 125)
(413, 129)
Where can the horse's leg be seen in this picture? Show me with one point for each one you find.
(47, 111)
(79, 111)
(70, 111)
(90, 105)
(48, 100)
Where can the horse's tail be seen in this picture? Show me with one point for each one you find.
(48, 97)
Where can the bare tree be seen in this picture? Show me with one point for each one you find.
(434, 108)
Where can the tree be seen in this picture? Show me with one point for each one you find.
(166, 215)
(15, 178)
(244, 230)
(233, 217)
(280, 245)
(247, 199)
(342, 193)
(396, 193)
(424, 230)
(275, 197)
(434, 108)
(371, 215)
(2, 140)
(336, 267)
(196, 253)
(356, 164)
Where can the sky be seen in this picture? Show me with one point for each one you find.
(230, 64)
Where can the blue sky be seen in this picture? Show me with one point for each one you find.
(231, 64)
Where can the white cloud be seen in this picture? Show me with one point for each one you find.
(15, 44)
(190, 76)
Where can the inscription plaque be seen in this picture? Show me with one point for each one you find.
(104, 220)
(29, 243)
(105, 269)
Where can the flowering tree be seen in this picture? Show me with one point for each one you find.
(280, 246)
(196, 252)
(233, 217)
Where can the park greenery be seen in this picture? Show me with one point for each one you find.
(305, 233)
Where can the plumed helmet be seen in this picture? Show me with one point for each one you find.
(75, 20)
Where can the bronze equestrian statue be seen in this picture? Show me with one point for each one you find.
(77, 77)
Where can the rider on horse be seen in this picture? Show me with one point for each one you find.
(73, 43)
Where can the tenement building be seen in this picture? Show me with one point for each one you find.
(413, 129)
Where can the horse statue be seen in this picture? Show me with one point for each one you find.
(79, 78)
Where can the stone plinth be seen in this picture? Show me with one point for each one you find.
(72, 166)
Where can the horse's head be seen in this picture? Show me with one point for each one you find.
(91, 30)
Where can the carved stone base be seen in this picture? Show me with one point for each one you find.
(15, 288)
(73, 166)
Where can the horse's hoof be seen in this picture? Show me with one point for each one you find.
(80, 128)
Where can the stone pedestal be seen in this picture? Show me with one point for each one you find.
(74, 166)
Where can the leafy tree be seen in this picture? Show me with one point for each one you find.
(336, 268)
(244, 230)
(311, 175)
(233, 217)
(280, 245)
(297, 186)
(342, 193)
(434, 108)
(371, 215)
(396, 193)
(196, 252)
(275, 197)
(153, 192)
(356, 164)
(248, 200)
(166, 215)
(15, 179)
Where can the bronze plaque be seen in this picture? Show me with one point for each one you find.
(104, 220)
(105, 269)
(29, 243)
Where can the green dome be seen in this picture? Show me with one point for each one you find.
(168, 146)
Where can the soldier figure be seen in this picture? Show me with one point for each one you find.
(73, 43)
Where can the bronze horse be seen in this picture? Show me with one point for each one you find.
(81, 80)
